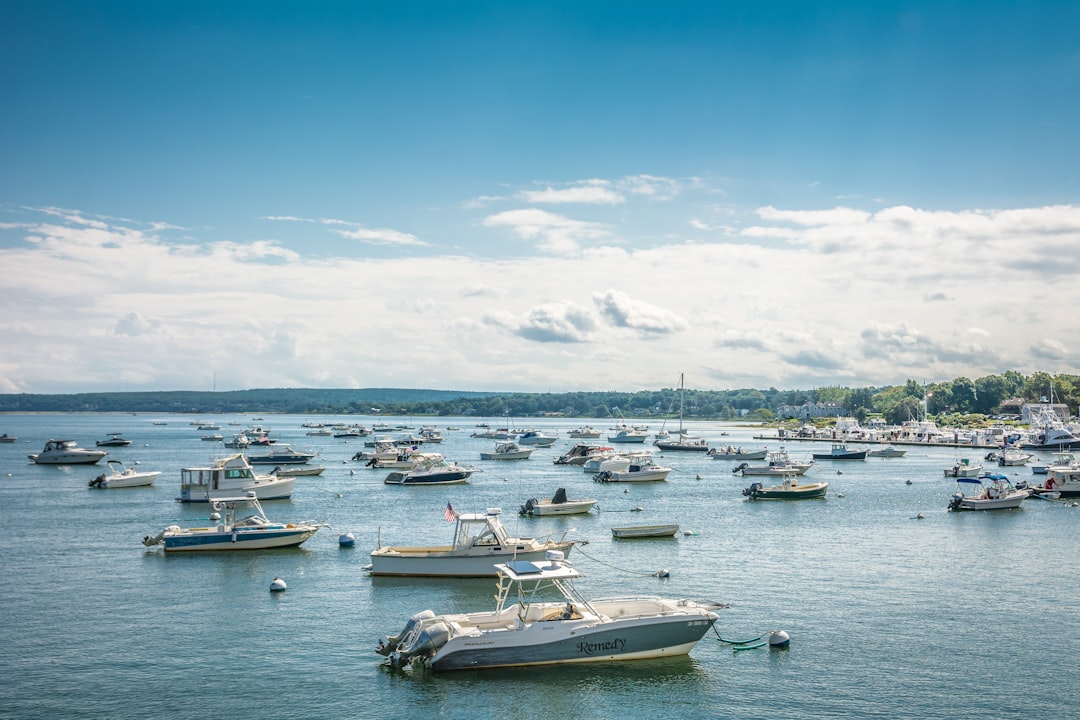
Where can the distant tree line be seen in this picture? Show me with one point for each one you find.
(955, 398)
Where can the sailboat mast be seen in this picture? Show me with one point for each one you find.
(681, 393)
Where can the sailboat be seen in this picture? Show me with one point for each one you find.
(682, 442)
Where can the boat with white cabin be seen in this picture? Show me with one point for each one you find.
(789, 489)
(280, 454)
(430, 469)
(66, 452)
(231, 476)
(585, 432)
(480, 541)
(537, 438)
(507, 450)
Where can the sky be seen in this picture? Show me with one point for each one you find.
(536, 196)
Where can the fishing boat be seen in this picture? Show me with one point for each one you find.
(736, 453)
(840, 451)
(645, 531)
(789, 489)
(527, 627)
(628, 435)
(1062, 476)
(994, 492)
(964, 469)
(66, 452)
(5, 438)
(232, 532)
(585, 432)
(480, 541)
(557, 505)
(536, 438)
(231, 476)
(507, 450)
(431, 469)
(1012, 457)
(579, 454)
(120, 476)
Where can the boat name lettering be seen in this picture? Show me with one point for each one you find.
(588, 648)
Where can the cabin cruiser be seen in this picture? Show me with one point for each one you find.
(281, 455)
(231, 476)
(430, 469)
(66, 452)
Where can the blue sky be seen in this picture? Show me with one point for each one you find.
(536, 196)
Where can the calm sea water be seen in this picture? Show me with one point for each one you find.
(969, 615)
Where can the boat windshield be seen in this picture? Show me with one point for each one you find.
(480, 532)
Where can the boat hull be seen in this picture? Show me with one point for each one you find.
(274, 489)
(90, 457)
(1005, 503)
(759, 455)
(807, 492)
(618, 640)
(645, 531)
(570, 507)
(433, 562)
(125, 481)
(241, 539)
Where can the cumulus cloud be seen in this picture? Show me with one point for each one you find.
(589, 192)
(558, 322)
(381, 236)
(1050, 349)
(814, 360)
(621, 310)
(651, 186)
(552, 233)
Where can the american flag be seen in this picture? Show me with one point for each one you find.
(449, 513)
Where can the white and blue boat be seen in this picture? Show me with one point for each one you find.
(253, 531)
(526, 629)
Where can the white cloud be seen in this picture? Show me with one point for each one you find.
(621, 310)
(556, 234)
(381, 236)
(593, 192)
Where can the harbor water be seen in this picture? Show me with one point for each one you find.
(896, 608)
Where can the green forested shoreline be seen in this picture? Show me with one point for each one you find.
(957, 398)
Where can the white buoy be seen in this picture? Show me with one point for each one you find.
(277, 585)
(840, 495)
(663, 573)
(779, 639)
(215, 516)
(346, 539)
(920, 516)
(688, 533)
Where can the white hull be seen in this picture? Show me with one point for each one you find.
(570, 507)
(126, 480)
(265, 488)
(1005, 503)
(629, 476)
(781, 470)
(192, 541)
(517, 455)
(442, 562)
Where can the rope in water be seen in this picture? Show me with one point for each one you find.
(738, 645)
(658, 573)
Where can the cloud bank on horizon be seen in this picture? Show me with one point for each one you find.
(537, 199)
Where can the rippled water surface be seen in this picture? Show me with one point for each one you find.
(967, 615)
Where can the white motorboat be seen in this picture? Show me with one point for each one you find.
(628, 435)
(886, 452)
(537, 438)
(964, 469)
(5, 438)
(789, 489)
(231, 476)
(120, 476)
(527, 627)
(251, 532)
(430, 469)
(994, 492)
(480, 541)
(507, 450)
(585, 432)
(278, 454)
(612, 460)
(1062, 476)
(780, 463)
(1013, 457)
(557, 505)
(634, 473)
(297, 471)
(737, 453)
(66, 452)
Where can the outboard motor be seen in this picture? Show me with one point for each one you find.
(98, 481)
(527, 508)
(752, 491)
(385, 648)
(422, 642)
(740, 468)
(604, 476)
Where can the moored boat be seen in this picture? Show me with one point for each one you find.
(886, 452)
(479, 542)
(840, 451)
(557, 505)
(528, 628)
(645, 531)
(736, 453)
(120, 476)
(789, 489)
(251, 532)
(507, 450)
(231, 476)
(585, 432)
(114, 440)
(994, 492)
(279, 454)
(634, 473)
(66, 452)
(431, 469)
